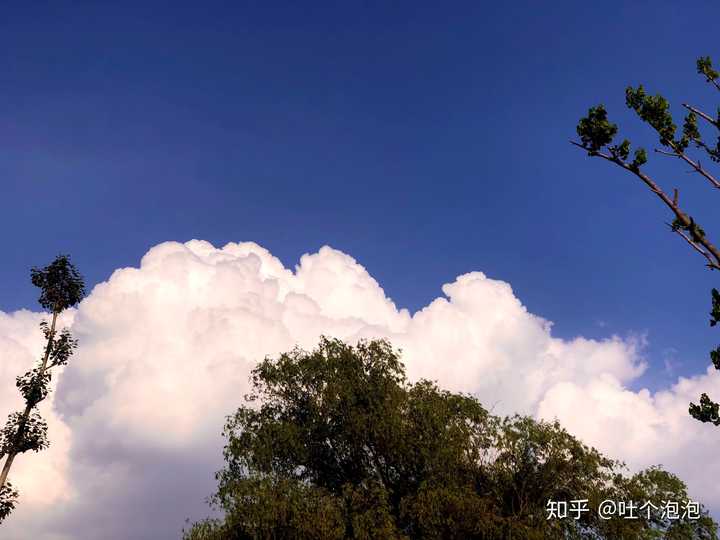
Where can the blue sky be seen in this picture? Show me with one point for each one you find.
(424, 141)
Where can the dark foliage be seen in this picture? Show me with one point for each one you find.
(335, 443)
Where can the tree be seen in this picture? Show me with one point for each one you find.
(597, 134)
(335, 443)
(61, 287)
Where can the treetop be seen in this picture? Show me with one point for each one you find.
(61, 284)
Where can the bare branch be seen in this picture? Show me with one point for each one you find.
(697, 248)
(700, 170)
(714, 154)
(695, 165)
(702, 115)
(681, 217)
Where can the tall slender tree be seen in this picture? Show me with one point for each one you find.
(597, 136)
(61, 287)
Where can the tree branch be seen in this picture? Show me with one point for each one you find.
(702, 115)
(697, 248)
(698, 168)
(681, 216)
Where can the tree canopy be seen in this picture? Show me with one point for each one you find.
(336, 443)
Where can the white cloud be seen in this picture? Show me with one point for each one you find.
(166, 350)
(45, 481)
(644, 429)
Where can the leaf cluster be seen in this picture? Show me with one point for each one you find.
(707, 411)
(23, 433)
(34, 385)
(655, 110)
(61, 348)
(704, 67)
(597, 132)
(61, 284)
(8, 500)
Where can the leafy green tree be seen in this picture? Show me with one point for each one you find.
(597, 136)
(335, 443)
(61, 287)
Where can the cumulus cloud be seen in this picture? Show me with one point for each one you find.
(166, 350)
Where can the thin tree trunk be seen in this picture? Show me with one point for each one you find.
(12, 452)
